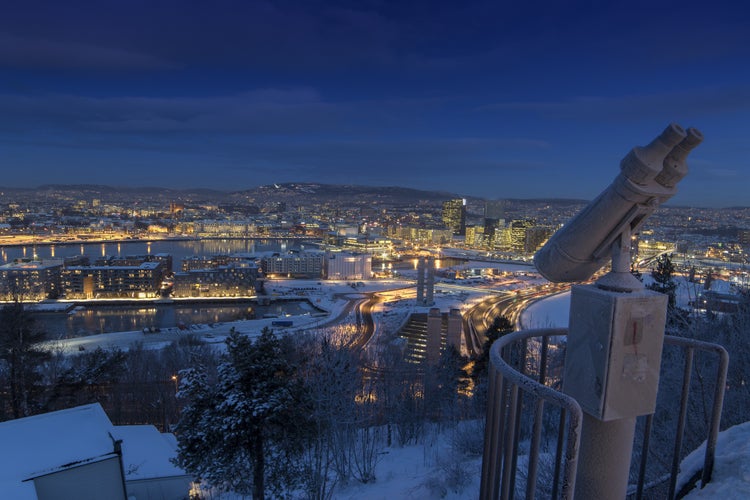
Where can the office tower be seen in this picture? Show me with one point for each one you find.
(494, 217)
(518, 230)
(454, 215)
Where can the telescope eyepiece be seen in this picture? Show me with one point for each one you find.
(642, 164)
(675, 164)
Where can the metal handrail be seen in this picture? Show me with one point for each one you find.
(502, 415)
(505, 404)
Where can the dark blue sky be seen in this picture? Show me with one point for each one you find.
(495, 99)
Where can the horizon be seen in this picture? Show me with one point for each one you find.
(492, 101)
(669, 204)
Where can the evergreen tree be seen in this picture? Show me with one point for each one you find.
(20, 360)
(242, 433)
(663, 278)
(500, 326)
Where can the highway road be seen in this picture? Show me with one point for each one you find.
(510, 304)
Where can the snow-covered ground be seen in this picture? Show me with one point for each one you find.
(731, 477)
(551, 312)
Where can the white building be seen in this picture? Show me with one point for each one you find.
(77, 454)
(348, 266)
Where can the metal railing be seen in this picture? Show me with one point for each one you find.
(519, 399)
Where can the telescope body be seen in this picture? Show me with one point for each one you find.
(648, 177)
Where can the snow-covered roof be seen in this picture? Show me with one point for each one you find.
(42, 444)
(147, 453)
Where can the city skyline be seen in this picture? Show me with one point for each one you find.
(486, 100)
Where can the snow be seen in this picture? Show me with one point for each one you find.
(554, 311)
(414, 472)
(550, 312)
(417, 472)
(731, 476)
(52, 441)
(146, 452)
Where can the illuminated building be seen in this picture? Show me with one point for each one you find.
(294, 264)
(28, 279)
(526, 237)
(227, 228)
(423, 235)
(454, 215)
(129, 277)
(536, 236)
(232, 280)
(475, 236)
(348, 266)
(518, 234)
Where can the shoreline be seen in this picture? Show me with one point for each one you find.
(93, 241)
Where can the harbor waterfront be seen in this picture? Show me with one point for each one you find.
(70, 319)
(179, 249)
(94, 317)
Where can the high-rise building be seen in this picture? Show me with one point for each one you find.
(475, 236)
(454, 215)
(494, 217)
(518, 230)
(494, 209)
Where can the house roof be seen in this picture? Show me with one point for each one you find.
(147, 453)
(43, 444)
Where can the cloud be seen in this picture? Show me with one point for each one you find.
(264, 111)
(25, 52)
(710, 101)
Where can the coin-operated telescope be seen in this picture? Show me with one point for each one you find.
(648, 177)
(616, 330)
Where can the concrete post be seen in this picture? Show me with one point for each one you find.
(604, 463)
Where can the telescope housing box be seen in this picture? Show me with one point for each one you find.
(613, 351)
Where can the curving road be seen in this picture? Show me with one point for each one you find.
(510, 304)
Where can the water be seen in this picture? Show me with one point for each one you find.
(105, 319)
